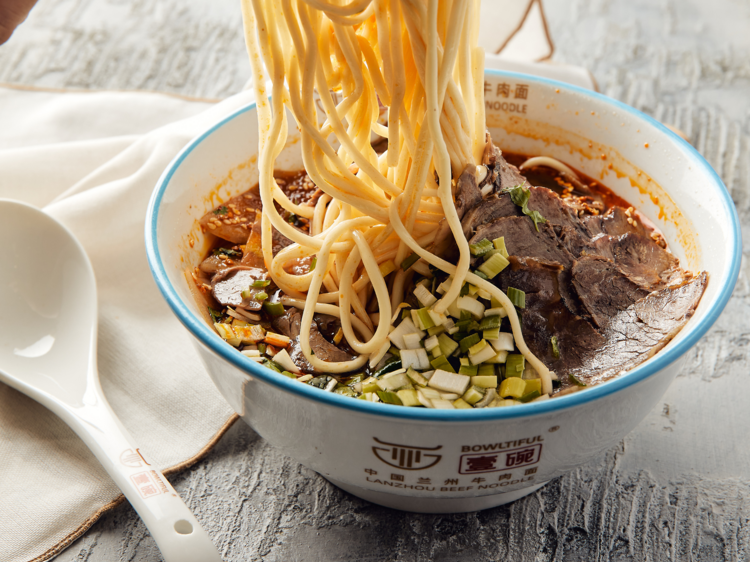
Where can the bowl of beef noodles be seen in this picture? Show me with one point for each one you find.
(615, 242)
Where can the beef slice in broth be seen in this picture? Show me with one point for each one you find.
(596, 281)
(289, 324)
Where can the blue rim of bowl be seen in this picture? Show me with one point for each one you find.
(212, 341)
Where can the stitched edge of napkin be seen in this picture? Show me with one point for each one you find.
(86, 525)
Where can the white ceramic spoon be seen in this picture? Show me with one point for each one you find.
(48, 325)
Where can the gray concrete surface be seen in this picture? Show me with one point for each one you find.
(675, 489)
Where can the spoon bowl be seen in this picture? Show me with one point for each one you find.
(48, 329)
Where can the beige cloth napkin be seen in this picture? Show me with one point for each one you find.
(91, 162)
(92, 159)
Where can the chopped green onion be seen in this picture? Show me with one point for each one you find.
(490, 322)
(275, 309)
(477, 347)
(393, 364)
(291, 218)
(473, 395)
(481, 275)
(470, 370)
(216, 315)
(517, 297)
(435, 330)
(442, 363)
(464, 290)
(529, 396)
(555, 347)
(344, 391)
(221, 210)
(484, 382)
(494, 265)
(460, 404)
(227, 252)
(370, 385)
(514, 365)
(390, 398)
(425, 320)
(512, 387)
(486, 371)
(533, 384)
(499, 244)
(313, 263)
(447, 345)
(260, 283)
(288, 374)
(575, 380)
(411, 260)
(480, 248)
(469, 341)
(262, 348)
(261, 296)
(491, 334)
(408, 397)
(271, 365)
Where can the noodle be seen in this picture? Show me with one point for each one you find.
(423, 63)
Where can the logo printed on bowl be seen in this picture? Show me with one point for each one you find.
(496, 462)
(406, 457)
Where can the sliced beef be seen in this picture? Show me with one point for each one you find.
(289, 325)
(503, 174)
(466, 191)
(253, 255)
(645, 262)
(614, 223)
(227, 286)
(522, 239)
(545, 314)
(554, 209)
(232, 220)
(635, 334)
(574, 241)
(495, 206)
(595, 281)
(603, 288)
(215, 263)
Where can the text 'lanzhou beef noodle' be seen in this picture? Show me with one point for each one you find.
(412, 262)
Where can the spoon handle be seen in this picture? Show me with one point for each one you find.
(173, 526)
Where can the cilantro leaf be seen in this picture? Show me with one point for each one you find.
(520, 196)
(221, 210)
(228, 252)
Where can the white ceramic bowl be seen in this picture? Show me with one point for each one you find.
(460, 460)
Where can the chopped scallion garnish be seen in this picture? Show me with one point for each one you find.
(499, 244)
(261, 296)
(274, 308)
(490, 323)
(480, 248)
(494, 265)
(411, 260)
(469, 341)
(517, 297)
(514, 365)
(261, 283)
(313, 263)
(555, 347)
(575, 380)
